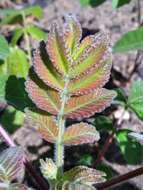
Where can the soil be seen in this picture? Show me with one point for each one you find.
(92, 19)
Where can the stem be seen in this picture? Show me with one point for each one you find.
(120, 179)
(27, 40)
(38, 179)
(59, 154)
(105, 148)
(6, 137)
(109, 140)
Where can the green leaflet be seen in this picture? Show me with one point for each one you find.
(57, 50)
(17, 63)
(4, 49)
(36, 32)
(135, 99)
(96, 79)
(119, 3)
(129, 147)
(72, 34)
(131, 40)
(16, 36)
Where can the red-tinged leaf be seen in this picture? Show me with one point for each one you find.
(80, 133)
(72, 33)
(94, 80)
(92, 55)
(45, 71)
(57, 51)
(81, 48)
(45, 98)
(44, 125)
(76, 186)
(16, 186)
(86, 105)
(11, 163)
(84, 175)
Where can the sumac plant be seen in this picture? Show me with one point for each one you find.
(66, 82)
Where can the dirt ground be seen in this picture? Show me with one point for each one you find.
(114, 22)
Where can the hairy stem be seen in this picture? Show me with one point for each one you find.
(59, 150)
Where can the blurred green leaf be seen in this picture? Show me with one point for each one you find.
(36, 32)
(3, 81)
(6, 11)
(16, 36)
(93, 3)
(135, 99)
(13, 92)
(12, 119)
(119, 3)
(16, 94)
(108, 170)
(12, 18)
(86, 160)
(36, 11)
(132, 40)
(4, 49)
(15, 16)
(16, 63)
(130, 148)
(121, 96)
(103, 123)
(137, 136)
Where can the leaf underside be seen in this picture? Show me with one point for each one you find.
(84, 175)
(77, 107)
(86, 105)
(17, 186)
(44, 125)
(11, 163)
(80, 133)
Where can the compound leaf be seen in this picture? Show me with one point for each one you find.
(80, 133)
